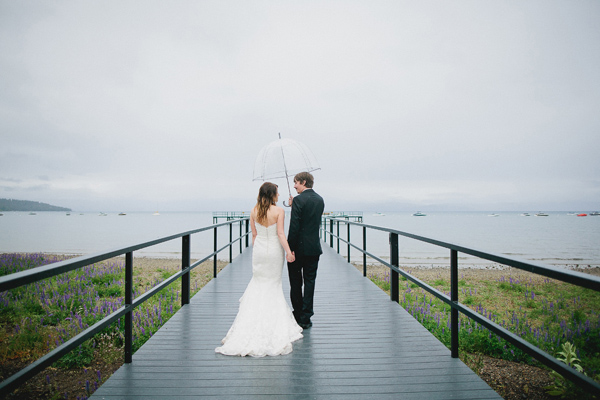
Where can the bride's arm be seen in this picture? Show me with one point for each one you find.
(252, 226)
(281, 234)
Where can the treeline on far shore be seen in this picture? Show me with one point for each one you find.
(26, 205)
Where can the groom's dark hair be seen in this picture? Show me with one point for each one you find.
(305, 177)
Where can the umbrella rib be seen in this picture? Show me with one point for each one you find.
(285, 167)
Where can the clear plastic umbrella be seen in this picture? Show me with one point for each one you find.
(283, 158)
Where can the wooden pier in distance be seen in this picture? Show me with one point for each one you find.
(356, 216)
(362, 346)
(229, 215)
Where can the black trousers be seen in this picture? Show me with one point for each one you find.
(303, 271)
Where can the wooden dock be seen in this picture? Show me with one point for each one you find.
(362, 346)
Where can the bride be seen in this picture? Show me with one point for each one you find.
(264, 325)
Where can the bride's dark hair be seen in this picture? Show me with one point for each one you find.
(266, 197)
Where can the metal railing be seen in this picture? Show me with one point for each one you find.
(33, 275)
(573, 277)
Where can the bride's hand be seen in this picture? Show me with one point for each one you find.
(290, 257)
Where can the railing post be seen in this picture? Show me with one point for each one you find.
(364, 251)
(230, 244)
(394, 260)
(331, 233)
(185, 263)
(338, 236)
(215, 256)
(128, 301)
(348, 225)
(247, 231)
(454, 299)
(241, 244)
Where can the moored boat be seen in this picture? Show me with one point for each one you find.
(419, 214)
(541, 214)
(582, 215)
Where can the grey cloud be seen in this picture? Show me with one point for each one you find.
(143, 102)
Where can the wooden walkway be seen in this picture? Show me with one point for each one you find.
(362, 346)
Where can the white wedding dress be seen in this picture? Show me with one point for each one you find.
(264, 325)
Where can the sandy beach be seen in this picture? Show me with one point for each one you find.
(469, 273)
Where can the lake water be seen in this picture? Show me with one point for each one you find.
(558, 239)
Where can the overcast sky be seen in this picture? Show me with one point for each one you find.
(406, 105)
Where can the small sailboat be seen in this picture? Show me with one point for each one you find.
(156, 213)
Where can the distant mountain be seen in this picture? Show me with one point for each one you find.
(26, 205)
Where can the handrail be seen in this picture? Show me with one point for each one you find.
(21, 278)
(574, 277)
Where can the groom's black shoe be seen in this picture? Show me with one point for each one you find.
(305, 326)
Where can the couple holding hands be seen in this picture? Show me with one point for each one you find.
(265, 325)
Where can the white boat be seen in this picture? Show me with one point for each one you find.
(156, 213)
(419, 214)
(493, 215)
(102, 214)
(122, 214)
(379, 214)
(541, 214)
(594, 213)
(525, 215)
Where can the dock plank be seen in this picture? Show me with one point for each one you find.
(362, 346)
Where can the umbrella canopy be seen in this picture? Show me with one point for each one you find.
(283, 158)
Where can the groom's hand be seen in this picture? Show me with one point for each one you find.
(291, 257)
(290, 201)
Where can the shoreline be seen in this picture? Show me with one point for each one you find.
(493, 271)
(143, 260)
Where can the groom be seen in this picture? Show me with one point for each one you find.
(303, 238)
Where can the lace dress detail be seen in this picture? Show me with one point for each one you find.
(264, 325)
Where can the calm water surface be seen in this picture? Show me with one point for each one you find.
(558, 239)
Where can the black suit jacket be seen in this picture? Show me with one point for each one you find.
(303, 236)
